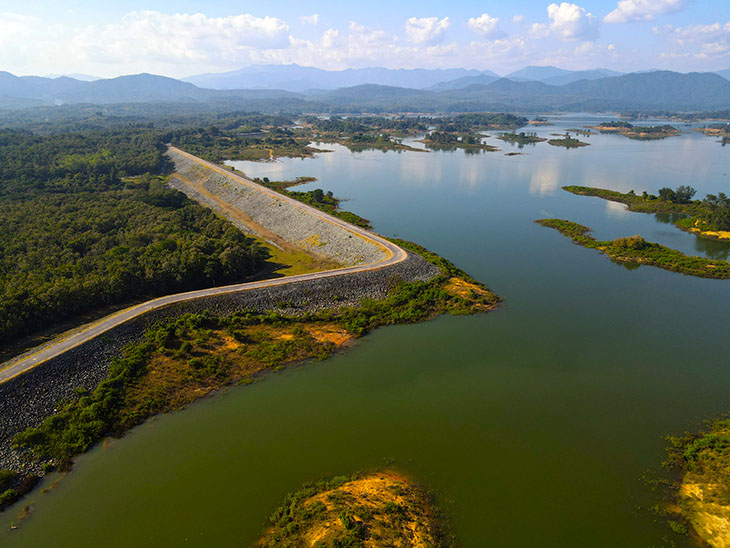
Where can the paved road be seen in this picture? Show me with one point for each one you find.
(393, 255)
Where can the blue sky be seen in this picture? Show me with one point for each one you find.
(185, 37)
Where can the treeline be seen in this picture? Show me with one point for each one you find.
(77, 233)
(443, 138)
(73, 161)
(362, 124)
(481, 120)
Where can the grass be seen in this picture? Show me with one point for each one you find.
(183, 360)
(376, 509)
(635, 251)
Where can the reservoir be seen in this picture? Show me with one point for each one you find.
(534, 425)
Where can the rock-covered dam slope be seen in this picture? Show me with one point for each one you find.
(290, 220)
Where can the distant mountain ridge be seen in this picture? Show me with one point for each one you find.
(299, 79)
(656, 90)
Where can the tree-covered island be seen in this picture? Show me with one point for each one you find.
(707, 218)
(634, 251)
(640, 133)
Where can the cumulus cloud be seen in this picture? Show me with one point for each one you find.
(538, 30)
(310, 19)
(572, 22)
(643, 10)
(484, 25)
(24, 40)
(698, 41)
(426, 30)
(180, 37)
(518, 19)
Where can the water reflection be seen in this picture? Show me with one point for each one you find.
(669, 218)
(714, 249)
(545, 180)
(616, 210)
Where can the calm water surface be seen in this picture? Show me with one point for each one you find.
(533, 424)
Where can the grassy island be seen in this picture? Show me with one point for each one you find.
(634, 251)
(702, 496)
(365, 510)
(521, 138)
(185, 359)
(568, 142)
(717, 130)
(640, 133)
(708, 218)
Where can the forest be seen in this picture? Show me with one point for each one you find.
(86, 221)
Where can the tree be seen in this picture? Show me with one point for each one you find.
(719, 210)
(684, 194)
(667, 194)
(318, 195)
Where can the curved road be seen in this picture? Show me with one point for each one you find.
(393, 255)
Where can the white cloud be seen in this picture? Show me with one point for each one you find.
(310, 19)
(572, 22)
(24, 40)
(643, 10)
(180, 38)
(517, 19)
(538, 30)
(484, 25)
(698, 41)
(426, 30)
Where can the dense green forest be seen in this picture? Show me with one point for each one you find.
(85, 224)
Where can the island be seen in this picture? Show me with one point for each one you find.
(567, 142)
(369, 509)
(717, 130)
(708, 218)
(700, 500)
(442, 140)
(639, 133)
(634, 251)
(521, 139)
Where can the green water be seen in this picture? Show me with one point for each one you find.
(533, 424)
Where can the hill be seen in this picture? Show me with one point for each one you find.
(557, 76)
(298, 78)
(641, 92)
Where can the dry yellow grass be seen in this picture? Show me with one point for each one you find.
(381, 509)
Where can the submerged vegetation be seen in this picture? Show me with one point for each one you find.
(634, 251)
(182, 360)
(702, 495)
(364, 510)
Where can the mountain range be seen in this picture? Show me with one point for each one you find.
(530, 89)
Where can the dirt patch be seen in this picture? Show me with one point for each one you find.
(482, 298)
(373, 510)
(710, 520)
